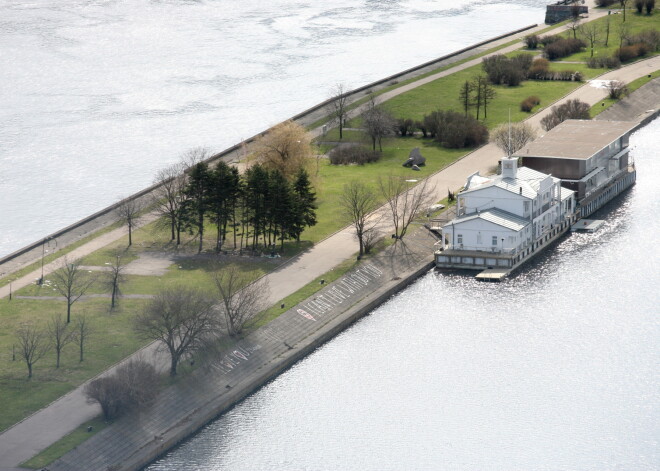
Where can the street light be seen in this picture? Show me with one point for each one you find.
(43, 253)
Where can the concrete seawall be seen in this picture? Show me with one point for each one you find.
(105, 217)
(181, 410)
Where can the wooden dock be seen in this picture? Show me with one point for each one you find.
(587, 225)
(493, 274)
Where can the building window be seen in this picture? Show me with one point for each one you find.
(526, 206)
(494, 241)
(479, 242)
(459, 238)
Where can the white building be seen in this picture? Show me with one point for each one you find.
(503, 219)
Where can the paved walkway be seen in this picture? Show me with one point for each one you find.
(51, 423)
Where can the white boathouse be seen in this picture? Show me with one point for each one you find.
(502, 220)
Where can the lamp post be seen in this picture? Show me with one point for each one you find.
(43, 253)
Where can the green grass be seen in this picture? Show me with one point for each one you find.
(55, 255)
(65, 444)
(443, 94)
(305, 292)
(113, 340)
(635, 22)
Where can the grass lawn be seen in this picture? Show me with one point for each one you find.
(65, 444)
(111, 341)
(636, 23)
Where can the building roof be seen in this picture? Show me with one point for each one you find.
(576, 139)
(495, 216)
(526, 183)
(565, 193)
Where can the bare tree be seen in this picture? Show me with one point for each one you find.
(466, 98)
(624, 5)
(83, 332)
(617, 89)
(572, 109)
(195, 156)
(338, 107)
(511, 138)
(60, 335)
(287, 147)
(405, 203)
(71, 282)
(128, 212)
(378, 123)
(32, 345)
(357, 202)
(607, 30)
(179, 318)
(241, 300)
(624, 33)
(169, 197)
(590, 32)
(133, 386)
(574, 25)
(114, 278)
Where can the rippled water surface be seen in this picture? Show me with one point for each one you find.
(96, 96)
(553, 369)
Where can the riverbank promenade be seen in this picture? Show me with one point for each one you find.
(35, 433)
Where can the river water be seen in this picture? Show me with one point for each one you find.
(553, 369)
(97, 95)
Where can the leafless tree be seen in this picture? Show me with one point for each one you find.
(574, 25)
(591, 33)
(511, 138)
(572, 109)
(241, 300)
(179, 318)
(60, 335)
(114, 278)
(169, 197)
(133, 386)
(128, 212)
(83, 332)
(357, 202)
(607, 30)
(377, 123)
(616, 89)
(404, 202)
(71, 282)
(338, 107)
(32, 345)
(624, 5)
(195, 156)
(624, 33)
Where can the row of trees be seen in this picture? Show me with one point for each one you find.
(34, 343)
(260, 206)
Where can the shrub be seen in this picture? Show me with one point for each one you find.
(529, 103)
(405, 126)
(455, 130)
(650, 37)
(612, 62)
(347, 154)
(627, 53)
(549, 39)
(504, 71)
(605, 3)
(563, 48)
(539, 68)
(639, 6)
(531, 41)
(133, 386)
(649, 4)
(617, 89)
(572, 109)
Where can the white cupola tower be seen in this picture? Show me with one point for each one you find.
(509, 167)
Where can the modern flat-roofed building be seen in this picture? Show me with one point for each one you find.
(590, 157)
